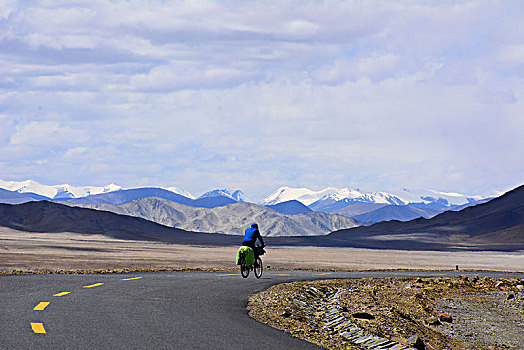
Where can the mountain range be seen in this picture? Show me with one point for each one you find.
(366, 208)
(375, 207)
(45, 216)
(35, 190)
(495, 225)
(233, 218)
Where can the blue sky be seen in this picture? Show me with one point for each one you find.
(375, 95)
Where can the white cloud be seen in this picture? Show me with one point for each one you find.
(204, 94)
(75, 152)
(48, 133)
(175, 77)
(302, 29)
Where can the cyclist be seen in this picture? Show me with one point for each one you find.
(250, 237)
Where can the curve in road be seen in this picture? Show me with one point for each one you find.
(151, 310)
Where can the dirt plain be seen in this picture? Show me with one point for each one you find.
(71, 251)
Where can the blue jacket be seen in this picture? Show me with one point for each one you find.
(251, 234)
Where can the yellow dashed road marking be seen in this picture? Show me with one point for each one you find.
(38, 327)
(129, 279)
(93, 285)
(281, 274)
(41, 306)
(323, 274)
(61, 294)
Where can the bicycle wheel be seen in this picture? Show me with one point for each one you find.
(244, 270)
(258, 267)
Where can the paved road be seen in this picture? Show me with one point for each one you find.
(153, 311)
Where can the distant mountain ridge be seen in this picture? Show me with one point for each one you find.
(10, 197)
(368, 208)
(45, 216)
(395, 212)
(376, 206)
(38, 191)
(495, 225)
(292, 207)
(126, 196)
(233, 218)
(315, 199)
(55, 191)
(237, 196)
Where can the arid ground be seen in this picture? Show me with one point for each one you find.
(464, 313)
(68, 251)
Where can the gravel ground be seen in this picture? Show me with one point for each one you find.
(492, 318)
(444, 313)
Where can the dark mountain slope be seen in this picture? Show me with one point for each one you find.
(44, 216)
(359, 208)
(126, 196)
(292, 207)
(395, 212)
(11, 197)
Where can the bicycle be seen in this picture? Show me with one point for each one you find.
(257, 267)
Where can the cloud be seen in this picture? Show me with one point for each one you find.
(46, 133)
(75, 152)
(175, 77)
(213, 94)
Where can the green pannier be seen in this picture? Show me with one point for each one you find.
(248, 254)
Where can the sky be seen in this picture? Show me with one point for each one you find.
(254, 95)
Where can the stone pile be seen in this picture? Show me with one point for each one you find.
(325, 304)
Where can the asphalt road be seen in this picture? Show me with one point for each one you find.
(183, 310)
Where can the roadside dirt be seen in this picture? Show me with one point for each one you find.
(444, 313)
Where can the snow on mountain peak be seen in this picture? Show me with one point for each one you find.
(342, 194)
(444, 198)
(385, 198)
(28, 186)
(308, 197)
(237, 195)
(303, 195)
(57, 191)
(179, 191)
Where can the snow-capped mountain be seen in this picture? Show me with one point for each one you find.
(57, 191)
(38, 191)
(446, 199)
(237, 195)
(348, 195)
(179, 191)
(303, 195)
(329, 195)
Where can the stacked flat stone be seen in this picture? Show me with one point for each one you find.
(326, 304)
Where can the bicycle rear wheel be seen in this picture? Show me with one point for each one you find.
(258, 267)
(244, 270)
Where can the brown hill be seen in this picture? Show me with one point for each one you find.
(44, 216)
